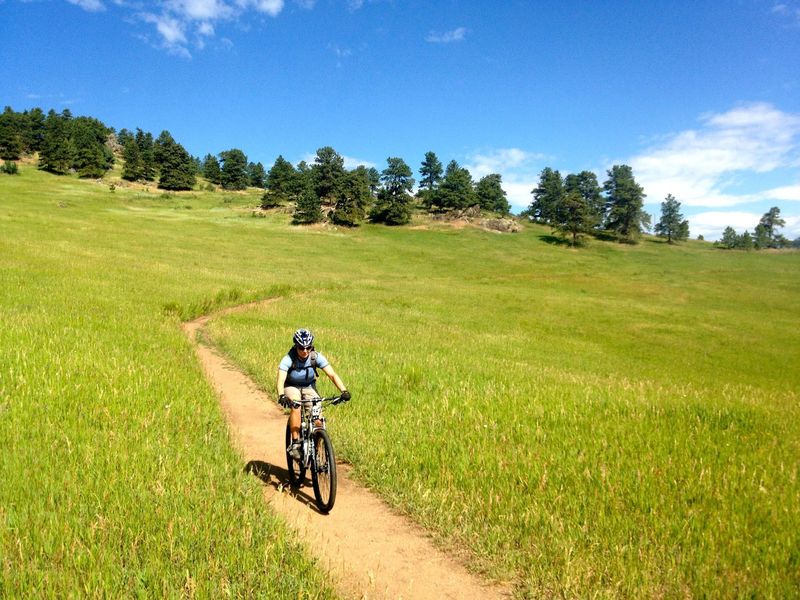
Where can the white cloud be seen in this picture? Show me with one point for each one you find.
(89, 5)
(711, 224)
(790, 11)
(790, 193)
(352, 163)
(205, 28)
(700, 166)
(172, 30)
(200, 10)
(200, 16)
(270, 7)
(456, 35)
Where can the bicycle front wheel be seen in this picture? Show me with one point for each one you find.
(323, 472)
(297, 470)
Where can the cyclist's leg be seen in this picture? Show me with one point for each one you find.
(310, 393)
(294, 395)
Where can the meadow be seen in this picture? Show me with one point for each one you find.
(611, 421)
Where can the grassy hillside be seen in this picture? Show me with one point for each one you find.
(614, 421)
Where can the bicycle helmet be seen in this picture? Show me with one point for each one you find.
(303, 338)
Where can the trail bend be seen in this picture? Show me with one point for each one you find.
(370, 551)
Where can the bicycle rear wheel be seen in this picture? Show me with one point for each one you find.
(297, 470)
(323, 471)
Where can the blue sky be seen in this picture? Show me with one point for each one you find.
(701, 98)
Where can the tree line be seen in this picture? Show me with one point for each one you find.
(577, 205)
(574, 205)
(765, 235)
(326, 190)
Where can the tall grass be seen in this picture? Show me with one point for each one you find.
(615, 421)
(117, 474)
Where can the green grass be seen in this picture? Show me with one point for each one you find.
(614, 421)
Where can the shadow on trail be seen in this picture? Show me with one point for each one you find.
(278, 478)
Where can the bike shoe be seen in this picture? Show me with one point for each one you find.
(294, 451)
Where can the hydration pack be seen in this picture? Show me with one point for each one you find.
(298, 365)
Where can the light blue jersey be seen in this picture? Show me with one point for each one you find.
(300, 373)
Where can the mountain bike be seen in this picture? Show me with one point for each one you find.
(316, 452)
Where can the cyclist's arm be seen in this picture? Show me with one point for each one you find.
(337, 381)
(281, 382)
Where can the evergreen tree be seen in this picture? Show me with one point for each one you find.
(234, 169)
(393, 205)
(456, 190)
(11, 145)
(729, 238)
(92, 156)
(490, 194)
(585, 183)
(124, 136)
(351, 206)
(761, 238)
(374, 180)
(58, 151)
(625, 203)
(770, 221)
(573, 216)
(176, 171)
(257, 175)
(327, 174)
(211, 170)
(308, 209)
(546, 196)
(430, 175)
(132, 169)
(745, 241)
(147, 154)
(672, 224)
(283, 183)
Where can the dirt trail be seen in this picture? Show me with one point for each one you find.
(370, 551)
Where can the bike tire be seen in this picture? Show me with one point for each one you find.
(323, 471)
(297, 471)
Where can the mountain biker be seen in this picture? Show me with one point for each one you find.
(297, 381)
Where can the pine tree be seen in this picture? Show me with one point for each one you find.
(283, 184)
(176, 171)
(546, 196)
(393, 205)
(770, 221)
(11, 146)
(211, 170)
(585, 183)
(729, 238)
(132, 169)
(147, 154)
(672, 224)
(456, 190)
(573, 216)
(58, 151)
(490, 194)
(308, 209)
(234, 169)
(351, 207)
(257, 175)
(327, 174)
(625, 203)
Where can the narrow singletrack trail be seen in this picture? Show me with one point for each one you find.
(370, 551)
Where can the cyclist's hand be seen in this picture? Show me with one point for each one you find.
(283, 401)
(345, 396)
